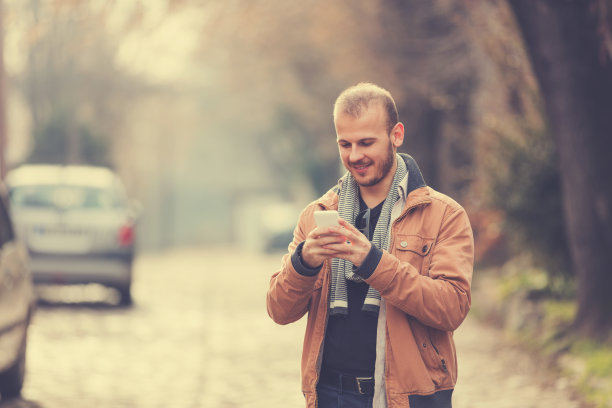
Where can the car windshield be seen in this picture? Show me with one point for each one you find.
(64, 197)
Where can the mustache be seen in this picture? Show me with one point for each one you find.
(360, 163)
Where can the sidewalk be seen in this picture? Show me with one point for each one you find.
(199, 336)
(493, 372)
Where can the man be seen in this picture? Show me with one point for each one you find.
(385, 289)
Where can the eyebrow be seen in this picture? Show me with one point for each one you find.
(365, 139)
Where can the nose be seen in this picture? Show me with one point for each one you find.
(355, 155)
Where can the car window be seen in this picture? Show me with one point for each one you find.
(6, 229)
(64, 197)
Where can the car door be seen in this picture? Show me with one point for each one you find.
(16, 294)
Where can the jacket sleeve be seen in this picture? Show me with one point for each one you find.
(441, 297)
(289, 293)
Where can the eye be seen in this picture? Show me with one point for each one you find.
(366, 143)
(344, 145)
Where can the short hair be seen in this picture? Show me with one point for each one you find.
(356, 99)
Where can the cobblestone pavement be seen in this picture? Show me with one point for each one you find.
(198, 336)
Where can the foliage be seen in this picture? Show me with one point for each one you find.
(545, 326)
(527, 189)
(521, 276)
(595, 381)
(61, 142)
(279, 146)
(74, 88)
(527, 308)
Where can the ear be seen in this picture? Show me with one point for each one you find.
(397, 134)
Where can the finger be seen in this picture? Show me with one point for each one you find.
(324, 231)
(331, 239)
(339, 249)
(344, 223)
(315, 239)
(317, 243)
(350, 232)
(329, 252)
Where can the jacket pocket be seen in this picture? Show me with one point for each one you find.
(439, 357)
(413, 249)
(432, 353)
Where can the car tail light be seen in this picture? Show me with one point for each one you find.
(126, 235)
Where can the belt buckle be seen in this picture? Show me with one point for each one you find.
(359, 380)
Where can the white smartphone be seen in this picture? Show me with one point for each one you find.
(326, 218)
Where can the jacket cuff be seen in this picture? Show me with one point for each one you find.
(298, 264)
(370, 263)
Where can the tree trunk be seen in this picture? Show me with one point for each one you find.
(575, 77)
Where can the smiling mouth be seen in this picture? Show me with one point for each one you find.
(360, 165)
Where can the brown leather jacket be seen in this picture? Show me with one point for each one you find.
(424, 279)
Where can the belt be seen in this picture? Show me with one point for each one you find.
(344, 382)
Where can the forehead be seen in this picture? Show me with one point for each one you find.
(370, 122)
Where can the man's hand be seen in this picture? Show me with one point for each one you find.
(344, 242)
(356, 246)
(316, 247)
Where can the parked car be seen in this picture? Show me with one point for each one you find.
(77, 223)
(17, 302)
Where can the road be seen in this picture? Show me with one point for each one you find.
(198, 336)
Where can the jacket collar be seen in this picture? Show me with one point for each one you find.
(415, 177)
(414, 187)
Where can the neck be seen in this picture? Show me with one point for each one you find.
(374, 195)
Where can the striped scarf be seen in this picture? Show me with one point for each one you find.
(348, 208)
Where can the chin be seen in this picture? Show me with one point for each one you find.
(369, 182)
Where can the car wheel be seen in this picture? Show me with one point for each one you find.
(125, 296)
(11, 380)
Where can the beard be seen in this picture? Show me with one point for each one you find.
(383, 169)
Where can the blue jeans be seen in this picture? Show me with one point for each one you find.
(334, 397)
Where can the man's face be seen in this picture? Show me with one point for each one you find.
(366, 150)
